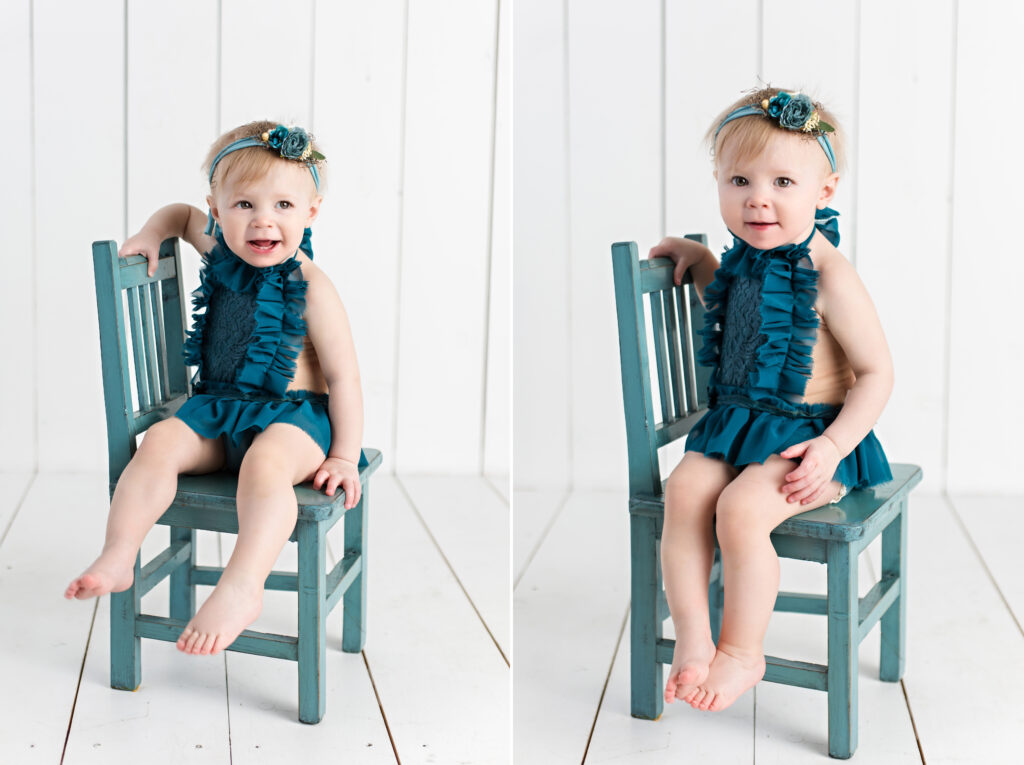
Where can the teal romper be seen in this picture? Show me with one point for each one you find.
(759, 335)
(247, 333)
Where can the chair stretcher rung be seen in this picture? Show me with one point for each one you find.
(163, 564)
(257, 643)
(874, 605)
(341, 577)
(802, 674)
(276, 580)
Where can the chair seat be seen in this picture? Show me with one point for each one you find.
(861, 513)
(215, 493)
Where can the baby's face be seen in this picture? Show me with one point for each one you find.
(769, 200)
(263, 221)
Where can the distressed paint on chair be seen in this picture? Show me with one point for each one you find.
(834, 535)
(155, 326)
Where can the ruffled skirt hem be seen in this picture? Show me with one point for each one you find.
(741, 436)
(239, 420)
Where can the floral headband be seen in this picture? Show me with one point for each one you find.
(289, 143)
(792, 111)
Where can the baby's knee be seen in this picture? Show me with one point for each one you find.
(687, 495)
(739, 516)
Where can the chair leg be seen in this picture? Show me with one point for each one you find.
(125, 645)
(644, 625)
(843, 624)
(353, 607)
(312, 586)
(716, 597)
(894, 564)
(183, 594)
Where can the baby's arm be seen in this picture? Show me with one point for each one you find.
(328, 329)
(853, 321)
(687, 254)
(179, 220)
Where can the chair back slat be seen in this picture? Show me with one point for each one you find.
(149, 339)
(160, 331)
(676, 367)
(676, 312)
(138, 347)
(661, 355)
(153, 331)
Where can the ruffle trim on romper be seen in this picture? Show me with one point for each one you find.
(280, 291)
(788, 319)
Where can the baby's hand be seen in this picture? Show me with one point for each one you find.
(336, 472)
(683, 252)
(142, 244)
(819, 459)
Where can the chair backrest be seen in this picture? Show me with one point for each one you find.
(145, 347)
(676, 317)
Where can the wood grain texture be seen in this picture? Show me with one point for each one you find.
(566, 639)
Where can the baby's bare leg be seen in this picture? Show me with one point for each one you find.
(144, 491)
(748, 510)
(687, 552)
(280, 457)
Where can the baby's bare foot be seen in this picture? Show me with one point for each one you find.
(230, 609)
(108, 573)
(729, 678)
(690, 663)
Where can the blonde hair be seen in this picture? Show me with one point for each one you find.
(749, 137)
(252, 163)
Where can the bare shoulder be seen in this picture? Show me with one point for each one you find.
(836, 275)
(320, 292)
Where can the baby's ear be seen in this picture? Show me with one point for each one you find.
(314, 208)
(828, 190)
(212, 207)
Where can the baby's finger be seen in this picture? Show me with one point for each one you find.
(319, 478)
(332, 485)
(801, 495)
(154, 258)
(353, 492)
(678, 272)
(813, 497)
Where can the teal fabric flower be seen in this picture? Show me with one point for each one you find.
(796, 112)
(777, 104)
(295, 144)
(276, 137)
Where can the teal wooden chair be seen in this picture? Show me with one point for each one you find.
(155, 324)
(833, 535)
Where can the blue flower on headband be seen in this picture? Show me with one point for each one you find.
(276, 137)
(777, 104)
(295, 144)
(796, 112)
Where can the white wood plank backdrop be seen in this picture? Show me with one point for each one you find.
(115, 104)
(612, 101)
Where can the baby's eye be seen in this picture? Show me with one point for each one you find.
(784, 182)
(738, 180)
(244, 204)
(284, 204)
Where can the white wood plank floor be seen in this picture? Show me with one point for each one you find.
(432, 685)
(960, 700)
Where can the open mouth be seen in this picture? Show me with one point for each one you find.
(263, 246)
